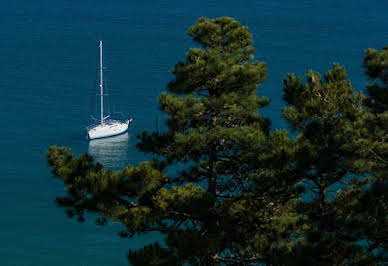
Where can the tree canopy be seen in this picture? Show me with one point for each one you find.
(376, 67)
(335, 157)
(243, 193)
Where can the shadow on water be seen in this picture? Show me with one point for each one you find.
(112, 152)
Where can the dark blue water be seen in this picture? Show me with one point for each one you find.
(48, 60)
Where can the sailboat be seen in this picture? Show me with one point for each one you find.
(107, 127)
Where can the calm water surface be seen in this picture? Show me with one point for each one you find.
(48, 60)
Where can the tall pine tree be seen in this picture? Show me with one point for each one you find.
(228, 203)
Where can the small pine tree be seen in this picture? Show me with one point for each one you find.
(376, 67)
(334, 156)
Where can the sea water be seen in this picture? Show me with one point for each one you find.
(48, 76)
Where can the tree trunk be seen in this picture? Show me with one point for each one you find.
(212, 173)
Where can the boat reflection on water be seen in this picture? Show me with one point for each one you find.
(112, 152)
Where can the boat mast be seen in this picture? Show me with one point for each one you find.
(101, 87)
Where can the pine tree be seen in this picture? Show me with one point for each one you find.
(232, 198)
(339, 161)
(372, 207)
(376, 67)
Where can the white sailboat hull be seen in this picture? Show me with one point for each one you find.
(107, 130)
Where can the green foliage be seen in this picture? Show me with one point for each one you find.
(152, 255)
(341, 155)
(244, 194)
(376, 67)
(319, 101)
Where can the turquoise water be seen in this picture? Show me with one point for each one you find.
(48, 60)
